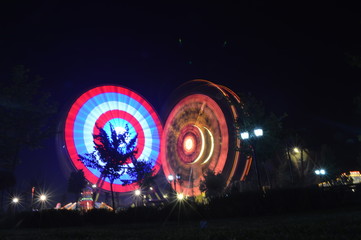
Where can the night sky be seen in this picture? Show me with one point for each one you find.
(290, 55)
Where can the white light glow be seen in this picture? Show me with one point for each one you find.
(15, 200)
(180, 196)
(244, 135)
(188, 143)
(43, 197)
(137, 192)
(170, 177)
(258, 132)
(320, 171)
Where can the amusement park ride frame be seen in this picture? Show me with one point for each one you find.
(199, 132)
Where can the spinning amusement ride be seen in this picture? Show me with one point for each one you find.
(199, 133)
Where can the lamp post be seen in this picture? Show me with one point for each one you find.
(258, 132)
(15, 201)
(321, 173)
(300, 151)
(137, 194)
(172, 179)
(42, 199)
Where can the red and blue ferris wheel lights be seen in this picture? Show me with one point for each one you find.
(119, 106)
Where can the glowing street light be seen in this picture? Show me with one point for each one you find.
(137, 192)
(170, 177)
(320, 171)
(42, 197)
(15, 200)
(258, 132)
(244, 135)
(173, 179)
(180, 196)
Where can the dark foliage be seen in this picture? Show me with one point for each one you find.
(246, 204)
(142, 174)
(111, 154)
(76, 183)
(25, 115)
(7, 179)
(213, 184)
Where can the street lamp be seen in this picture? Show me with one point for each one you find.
(320, 172)
(171, 179)
(42, 199)
(180, 196)
(300, 151)
(257, 132)
(15, 200)
(137, 194)
(244, 135)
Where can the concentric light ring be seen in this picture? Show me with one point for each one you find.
(117, 105)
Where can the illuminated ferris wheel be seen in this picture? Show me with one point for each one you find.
(199, 134)
(120, 107)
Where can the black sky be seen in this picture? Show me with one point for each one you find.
(289, 54)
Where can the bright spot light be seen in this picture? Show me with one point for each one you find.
(258, 132)
(15, 200)
(94, 186)
(296, 150)
(320, 171)
(165, 196)
(245, 135)
(42, 197)
(137, 192)
(188, 144)
(170, 177)
(151, 188)
(180, 196)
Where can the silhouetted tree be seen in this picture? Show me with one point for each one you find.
(142, 173)
(112, 156)
(25, 114)
(213, 184)
(76, 183)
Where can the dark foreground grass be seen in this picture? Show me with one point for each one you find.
(327, 224)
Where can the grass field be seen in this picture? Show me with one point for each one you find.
(330, 224)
